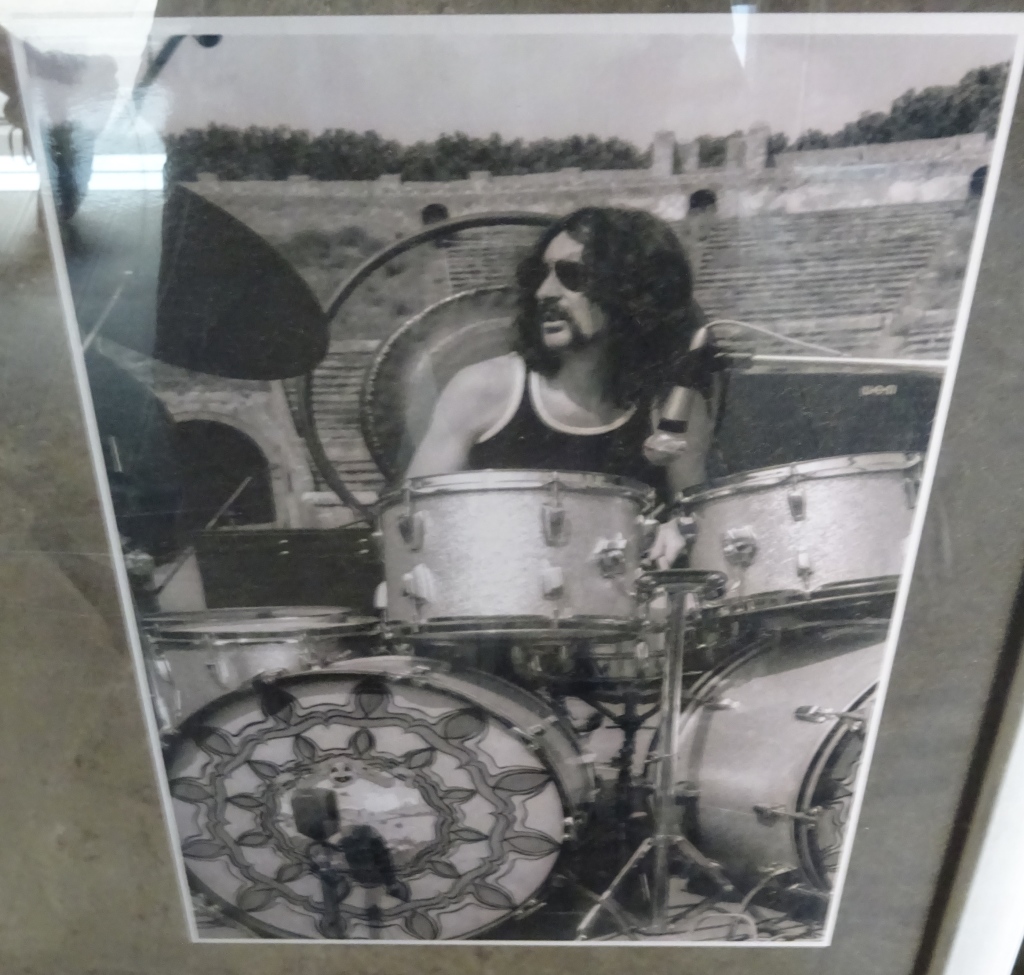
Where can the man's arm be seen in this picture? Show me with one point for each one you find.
(468, 406)
(690, 468)
(687, 470)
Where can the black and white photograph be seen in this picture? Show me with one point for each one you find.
(516, 434)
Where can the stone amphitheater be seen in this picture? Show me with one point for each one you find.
(861, 249)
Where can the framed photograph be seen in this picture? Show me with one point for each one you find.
(523, 445)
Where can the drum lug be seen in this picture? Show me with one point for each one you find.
(804, 569)
(610, 556)
(817, 715)
(552, 517)
(719, 704)
(220, 670)
(739, 546)
(554, 523)
(770, 815)
(648, 530)
(411, 528)
(418, 585)
(911, 490)
(797, 505)
(688, 529)
(552, 581)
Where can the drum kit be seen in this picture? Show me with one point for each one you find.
(541, 737)
(426, 775)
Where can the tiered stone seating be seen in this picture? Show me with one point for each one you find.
(841, 278)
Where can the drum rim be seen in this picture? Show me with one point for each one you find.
(417, 674)
(832, 595)
(233, 614)
(803, 831)
(223, 635)
(762, 478)
(516, 479)
(523, 627)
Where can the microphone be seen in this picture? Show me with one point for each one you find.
(670, 439)
(316, 813)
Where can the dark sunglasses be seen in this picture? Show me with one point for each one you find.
(571, 275)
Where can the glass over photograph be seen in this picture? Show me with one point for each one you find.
(517, 433)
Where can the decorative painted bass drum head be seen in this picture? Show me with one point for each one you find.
(450, 797)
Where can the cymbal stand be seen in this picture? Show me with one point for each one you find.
(682, 587)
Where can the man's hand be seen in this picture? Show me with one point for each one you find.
(668, 544)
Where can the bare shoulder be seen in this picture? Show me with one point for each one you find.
(481, 392)
(490, 378)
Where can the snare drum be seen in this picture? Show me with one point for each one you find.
(194, 658)
(785, 533)
(467, 787)
(540, 555)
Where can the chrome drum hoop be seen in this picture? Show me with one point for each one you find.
(473, 786)
(484, 554)
(798, 531)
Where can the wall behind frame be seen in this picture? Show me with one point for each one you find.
(88, 883)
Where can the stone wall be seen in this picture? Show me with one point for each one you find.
(259, 410)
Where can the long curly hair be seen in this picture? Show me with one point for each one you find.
(639, 276)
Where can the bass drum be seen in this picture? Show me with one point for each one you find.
(468, 786)
(769, 750)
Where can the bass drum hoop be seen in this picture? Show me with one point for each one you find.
(417, 675)
(810, 853)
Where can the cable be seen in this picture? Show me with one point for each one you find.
(776, 335)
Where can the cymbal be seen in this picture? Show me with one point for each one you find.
(229, 304)
(187, 283)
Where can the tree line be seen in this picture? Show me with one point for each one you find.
(258, 153)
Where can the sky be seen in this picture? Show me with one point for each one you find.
(410, 87)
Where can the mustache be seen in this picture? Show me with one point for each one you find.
(548, 310)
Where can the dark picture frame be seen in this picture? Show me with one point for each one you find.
(935, 758)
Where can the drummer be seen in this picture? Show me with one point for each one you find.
(605, 316)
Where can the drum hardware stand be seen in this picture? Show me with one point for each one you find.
(323, 862)
(680, 586)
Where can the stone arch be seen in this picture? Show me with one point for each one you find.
(226, 474)
(703, 201)
(273, 453)
(433, 213)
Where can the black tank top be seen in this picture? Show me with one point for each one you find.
(526, 442)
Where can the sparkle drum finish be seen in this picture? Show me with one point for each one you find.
(769, 750)
(466, 786)
(542, 555)
(784, 533)
(194, 658)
